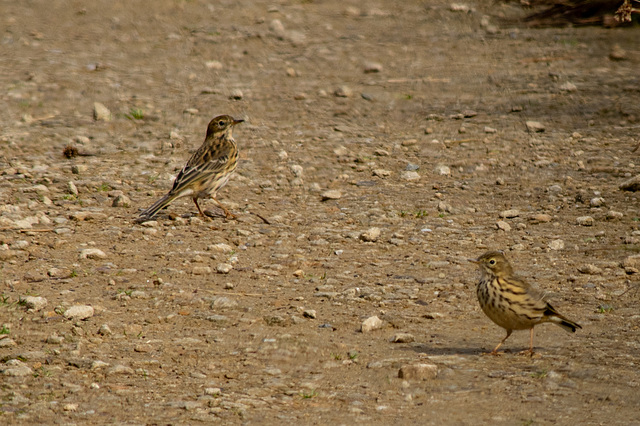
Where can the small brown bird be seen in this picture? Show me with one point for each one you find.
(208, 169)
(511, 302)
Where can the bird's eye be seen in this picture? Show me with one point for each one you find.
(492, 262)
(221, 123)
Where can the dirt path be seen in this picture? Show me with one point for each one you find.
(383, 145)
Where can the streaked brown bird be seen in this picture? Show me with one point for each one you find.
(509, 301)
(208, 169)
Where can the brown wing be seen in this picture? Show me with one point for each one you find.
(207, 161)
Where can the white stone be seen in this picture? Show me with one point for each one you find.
(418, 371)
(92, 253)
(585, 221)
(370, 324)
(371, 234)
(331, 194)
(101, 112)
(410, 175)
(535, 126)
(503, 226)
(79, 312)
(442, 170)
(556, 245)
(224, 268)
(510, 213)
(33, 302)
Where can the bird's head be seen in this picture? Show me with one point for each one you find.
(222, 124)
(493, 262)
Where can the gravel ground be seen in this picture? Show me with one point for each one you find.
(385, 144)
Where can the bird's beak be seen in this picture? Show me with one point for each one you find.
(473, 261)
(237, 121)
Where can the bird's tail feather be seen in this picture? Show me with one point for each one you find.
(156, 207)
(561, 320)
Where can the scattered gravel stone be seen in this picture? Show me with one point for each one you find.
(631, 264)
(34, 303)
(372, 67)
(220, 248)
(585, 221)
(309, 313)
(332, 194)
(54, 339)
(201, 270)
(488, 129)
(503, 226)
(589, 269)
(443, 206)
(568, 87)
(224, 268)
(613, 215)
(343, 92)
(596, 202)
(121, 201)
(77, 169)
(418, 371)
(632, 184)
(105, 330)
(7, 342)
(101, 112)
(535, 127)
(79, 312)
(442, 170)
(92, 253)
(277, 28)
(556, 245)
(371, 234)
(236, 94)
(381, 173)
(459, 7)
(72, 188)
(510, 213)
(370, 324)
(224, 302)
(58, 273)
(618, 53)
(120, 369)
(403, 338)
(16, 368)
(70, 407)
(541, 218)
(214, 65)
(409, 175)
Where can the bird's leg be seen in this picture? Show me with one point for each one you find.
(530, 350)
(195, 200)
(227, 213)
(495, 351)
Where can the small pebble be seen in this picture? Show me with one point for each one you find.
(442, 170)
(503, 226)
(92, 253)
(402, 338)
(556, 245)
(370, 324)
(585, 221)
(343, 92)
(418, 371)
(79, 312)
(535, 126)
(370, 235)
(332, 194)
(510, 213)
